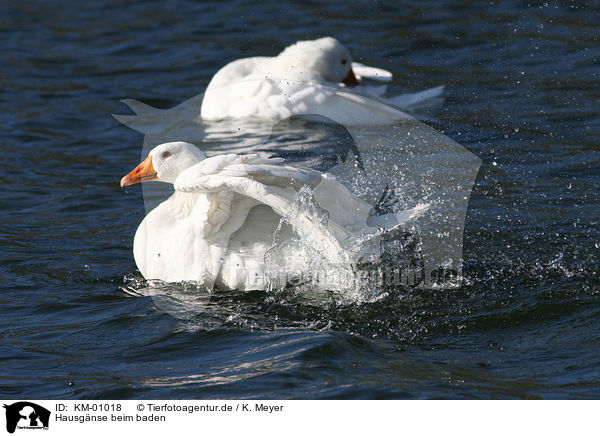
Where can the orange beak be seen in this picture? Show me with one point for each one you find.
(142, 173)
(350, 79)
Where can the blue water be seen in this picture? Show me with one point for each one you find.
(523, 91)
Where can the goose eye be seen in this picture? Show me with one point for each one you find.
(344, 61)
(166, 154)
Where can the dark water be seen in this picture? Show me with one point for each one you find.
(523, 92)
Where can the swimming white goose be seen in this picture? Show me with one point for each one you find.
(308, 77)
(226, 212)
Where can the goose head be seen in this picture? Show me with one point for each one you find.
(326, 56)
(164, 163)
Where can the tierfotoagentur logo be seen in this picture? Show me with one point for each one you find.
(383, 203)
(26, 415)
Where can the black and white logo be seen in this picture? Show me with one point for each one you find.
(26, 415)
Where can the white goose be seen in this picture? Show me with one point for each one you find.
(308, 77)
(226, 210)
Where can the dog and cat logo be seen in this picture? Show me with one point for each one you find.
(26, 415)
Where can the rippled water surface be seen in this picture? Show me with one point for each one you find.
(523, 91)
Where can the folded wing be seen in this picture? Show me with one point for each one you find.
(278, 186)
